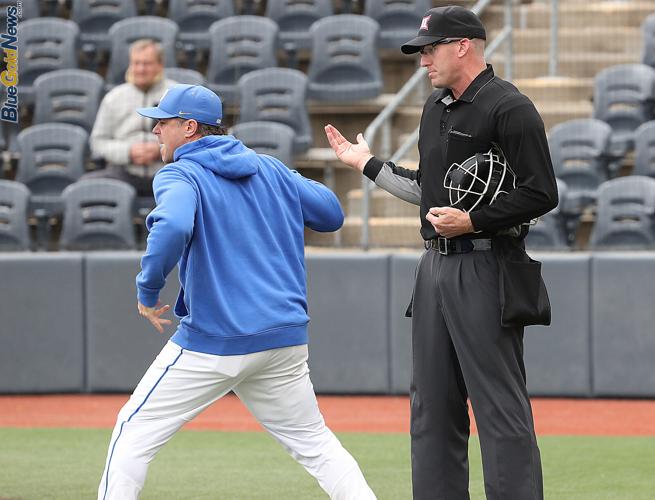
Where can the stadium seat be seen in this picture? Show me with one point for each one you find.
(98, 216)
(344, 64)
(549, 233)
(68, 96)
(623, 97)
(578, 149)
(194, 17)
(269, 138)
(239, 44)
(123, 33)
(625, 214)
(95, 18)
(648, 33)
(277, 95)
(185, 75)
(295, 17)
(645, 150)
(399, 20)
(51, 157)
(45, 44)
(14, 231)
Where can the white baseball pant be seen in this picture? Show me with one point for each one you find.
(274, 385)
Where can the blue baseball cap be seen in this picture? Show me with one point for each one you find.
(189, 102)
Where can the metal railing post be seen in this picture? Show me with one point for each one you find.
(509, 47)
(554, 28)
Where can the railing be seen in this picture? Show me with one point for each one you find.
(382, 122)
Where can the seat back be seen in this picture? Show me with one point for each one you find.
(46, 44)
(51, 157)
(14, 231)
(295, 17)
(549, 232)
(98, 216)
(97, 16)
(344, 64)
(196, 16)
(185, 75)
(645, 150)
(239, 44)
(125, 32)
(277, 95)
(68, 96)
(269, 138)
(625, 214)
(399, 20)
(623, 98)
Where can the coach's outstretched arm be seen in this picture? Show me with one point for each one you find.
(398, 181)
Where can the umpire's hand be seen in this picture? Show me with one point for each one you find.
(353, 155)
(153, 314)
(450, 222)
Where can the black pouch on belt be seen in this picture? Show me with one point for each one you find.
(523, 296)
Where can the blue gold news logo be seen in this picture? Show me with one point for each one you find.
(9, 76)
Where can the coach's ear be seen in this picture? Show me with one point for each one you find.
(190, 128)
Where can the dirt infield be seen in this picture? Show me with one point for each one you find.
(342, 413)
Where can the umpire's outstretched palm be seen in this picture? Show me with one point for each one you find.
(353, 155)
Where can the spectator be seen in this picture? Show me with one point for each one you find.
(122, 138)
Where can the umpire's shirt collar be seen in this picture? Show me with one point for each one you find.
(446, 95)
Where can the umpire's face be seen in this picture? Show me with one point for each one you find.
(173, 133)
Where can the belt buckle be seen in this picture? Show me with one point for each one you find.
(442, 245)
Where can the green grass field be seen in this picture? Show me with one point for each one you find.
(39, 464)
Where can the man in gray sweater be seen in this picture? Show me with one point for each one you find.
(120, 136)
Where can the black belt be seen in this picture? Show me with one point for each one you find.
(445, 246)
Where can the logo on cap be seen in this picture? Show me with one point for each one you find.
(424, 23)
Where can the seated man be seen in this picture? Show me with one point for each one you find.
(120, 136)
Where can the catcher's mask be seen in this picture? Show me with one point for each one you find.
(479, 180)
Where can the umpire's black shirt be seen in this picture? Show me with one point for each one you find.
(489, 110)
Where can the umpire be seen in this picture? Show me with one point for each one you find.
(465, 342)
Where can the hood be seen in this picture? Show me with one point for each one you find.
(222, 154)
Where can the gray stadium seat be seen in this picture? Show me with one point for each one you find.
(45, 44)
(344, 64)
(185, 75)
(549, 233)
(125, 32)
(277, 95)
(51, 157)
(98, 216)
(269, 138)
(95, 17)
(295, 17)
(398, 19)
(625, 214)
(579, 151)
(239, 44)
(623, 97)
(68, 96)
(645, 150)
(648, 33)
(14, 232)
(194, 17)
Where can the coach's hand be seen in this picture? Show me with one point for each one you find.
(153, 315)
(353, 155)
(450, 222)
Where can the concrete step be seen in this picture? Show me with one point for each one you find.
(607, 14)
(381, 204)
(618, 39)
(383, 232)
(556, 89)
(579, 65)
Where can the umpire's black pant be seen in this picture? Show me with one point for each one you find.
(459, 351)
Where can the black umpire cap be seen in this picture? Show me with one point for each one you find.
(441, 23)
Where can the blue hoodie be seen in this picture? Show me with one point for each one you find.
(234, 222)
